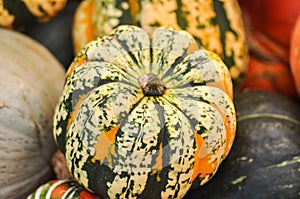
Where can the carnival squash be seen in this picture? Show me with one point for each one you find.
(145, 113)
(60, 189)
(264, 160)
(31, 80)
(16, 13)
(216, 25)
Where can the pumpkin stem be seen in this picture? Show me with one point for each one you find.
(151, 85)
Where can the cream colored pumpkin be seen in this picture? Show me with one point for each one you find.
(31, 79)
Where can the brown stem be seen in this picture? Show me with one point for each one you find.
(151, 85)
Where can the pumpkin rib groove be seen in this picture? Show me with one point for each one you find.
(78, 75)
(180, 16)
(268, 115)
(183, 112)
(171, 68)
(221, 18)
(129, 52)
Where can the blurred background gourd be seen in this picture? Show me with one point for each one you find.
(31, 80)
(216, 25)
(18, 13)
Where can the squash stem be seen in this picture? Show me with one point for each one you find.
(151, 85)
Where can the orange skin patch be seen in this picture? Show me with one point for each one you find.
(85, 9)
(230, 135)
(79, 60)
(105, 144)
(76, 108)
(134, 8)
(202, 165)
(87, 195)
(59, 191)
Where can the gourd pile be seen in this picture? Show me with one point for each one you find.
(149, 99)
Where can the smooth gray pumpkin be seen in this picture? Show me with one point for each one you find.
(265, 159)
(31, 80)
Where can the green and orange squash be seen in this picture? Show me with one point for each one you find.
(216, 25)
(17, 13)
(145, 113)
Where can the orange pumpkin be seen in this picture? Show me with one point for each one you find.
(295, 54)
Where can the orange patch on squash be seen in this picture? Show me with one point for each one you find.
(230, 135)
(202, 165)
(59, 191)
(134, 9)
(105, 144)
(83, 16)
(76, 108)
(89, 28)
(157, 167)
(79, 60)
(85, 194)
(158, 163)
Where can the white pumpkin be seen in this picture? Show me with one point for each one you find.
(31, 79)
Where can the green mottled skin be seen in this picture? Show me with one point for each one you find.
(120, 142)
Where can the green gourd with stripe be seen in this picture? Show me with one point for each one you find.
(145, 113)
(216, 25)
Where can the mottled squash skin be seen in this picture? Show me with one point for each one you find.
(17, 13)
(145, 114)
(216, 25)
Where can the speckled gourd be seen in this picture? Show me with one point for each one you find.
(216, 25)
(145, 113)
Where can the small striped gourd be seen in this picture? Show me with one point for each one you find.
(60, 189)
(215, 24)
(16, 13)
(145, 113)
